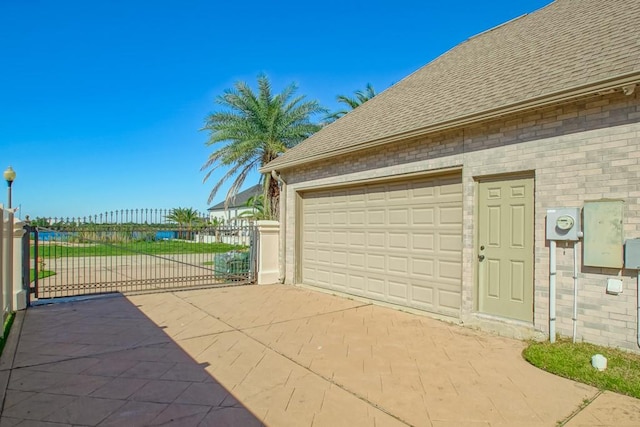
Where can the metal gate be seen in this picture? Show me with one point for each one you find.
(91, 256)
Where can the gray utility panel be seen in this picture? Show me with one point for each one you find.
(603, 237)
(632, 254)
(563, 224)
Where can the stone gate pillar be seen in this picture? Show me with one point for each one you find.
(268, 262)
(19, 293)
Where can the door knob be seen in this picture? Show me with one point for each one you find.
(480, 257)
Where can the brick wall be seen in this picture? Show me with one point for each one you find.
(584, 150)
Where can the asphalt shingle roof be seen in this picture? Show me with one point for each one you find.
(241, 199)
(565, 45)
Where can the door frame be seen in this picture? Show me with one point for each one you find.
(527, 174)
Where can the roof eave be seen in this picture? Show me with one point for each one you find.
(537, 102)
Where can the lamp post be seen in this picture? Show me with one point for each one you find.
(9, 176)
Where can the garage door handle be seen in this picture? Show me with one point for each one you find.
(480, 257)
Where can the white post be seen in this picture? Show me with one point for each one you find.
(268, 239)
(7, 262)
(19, 294)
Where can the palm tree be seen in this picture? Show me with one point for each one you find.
(352, 103)
(184, 217)
(257, 213)
(254, 129)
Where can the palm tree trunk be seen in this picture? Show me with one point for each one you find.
(273, 195)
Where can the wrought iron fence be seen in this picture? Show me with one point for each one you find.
(138, 250)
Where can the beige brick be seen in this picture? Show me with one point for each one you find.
(573, 161)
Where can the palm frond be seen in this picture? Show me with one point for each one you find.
(360, 97)
(254, 128)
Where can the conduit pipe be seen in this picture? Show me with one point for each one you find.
(552, 291)
(575, 289)
(283, 226)
(638, 304)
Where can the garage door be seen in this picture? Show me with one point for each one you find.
(398, 242)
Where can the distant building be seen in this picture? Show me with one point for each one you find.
(237, 206)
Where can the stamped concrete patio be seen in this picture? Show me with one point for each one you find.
(279, 356)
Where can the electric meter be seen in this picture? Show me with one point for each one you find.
(563, 224)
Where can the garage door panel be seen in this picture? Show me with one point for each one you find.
(338, 199)
(322, 277)
(450, 243)
(423, 216)
(422, 295)
(339, 258)
(323, 237)
(398, 242)
(375, 287)
(309, 237)
(398, 265)
(356, 282)
(398, 291)
(356, 260)
(449, 299)
(323, 256)
(340, 238)
(357, 238)
(376, 239)
(323, 218)
(310, 218)
(376, 262)
(339, 219)
(450, 215)
(422, 267)
(422, 241)
(424, 194)
(357, 218)
(398, 216)
(376, 217)
(339, 280)
(449, 270)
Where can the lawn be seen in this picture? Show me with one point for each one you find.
(573, 361)
(41, 274)
(143, 247)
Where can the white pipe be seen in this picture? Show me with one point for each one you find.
(552, 291)
(638, 296)
(575, 289)
(283, 226)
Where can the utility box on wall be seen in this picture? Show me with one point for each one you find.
(632, 254)
(603, 237)
(563, 224)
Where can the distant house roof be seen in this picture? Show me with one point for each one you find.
(566, 49)
(241, 198)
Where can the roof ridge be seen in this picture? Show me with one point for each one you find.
(537, 56)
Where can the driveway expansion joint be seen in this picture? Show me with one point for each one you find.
(585, 403)
(294, 319)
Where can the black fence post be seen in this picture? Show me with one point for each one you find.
(26, 262)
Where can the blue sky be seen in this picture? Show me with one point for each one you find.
(101, 102)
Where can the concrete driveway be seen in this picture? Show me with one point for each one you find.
(279, 356)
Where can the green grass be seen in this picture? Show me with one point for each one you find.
(573, 361)
(131, 248)
(41, 274)
(5, 330)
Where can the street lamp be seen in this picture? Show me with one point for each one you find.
(9, 176)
